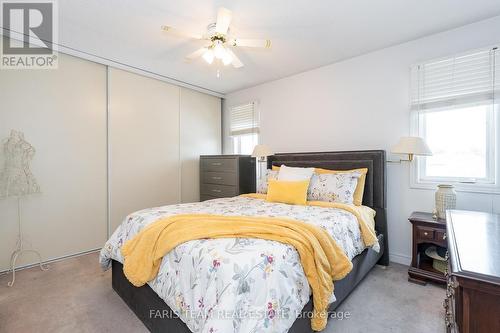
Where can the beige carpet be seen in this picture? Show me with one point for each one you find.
(75, 296)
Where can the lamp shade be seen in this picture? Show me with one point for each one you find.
(261, 151)
(412, 145)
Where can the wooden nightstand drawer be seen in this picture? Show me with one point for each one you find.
(219, 164)
(220, 191)
(221, 178)
(440, 236)
(425, 233)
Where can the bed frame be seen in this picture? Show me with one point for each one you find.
(143, 300)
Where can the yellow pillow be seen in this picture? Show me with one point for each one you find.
(289, 192)
(360, 187)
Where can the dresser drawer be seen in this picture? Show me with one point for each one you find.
(220, 191)
(219, 164)
(205, 197)
(426, 233)
(220, 178)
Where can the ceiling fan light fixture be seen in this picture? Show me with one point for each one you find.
(221, 41)
(209, 56)
(219, 50)
(227, 58)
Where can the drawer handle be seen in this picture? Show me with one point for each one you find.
(216, 178)
(216, 163)
(216, 191)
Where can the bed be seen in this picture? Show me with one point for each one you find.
(157, 316)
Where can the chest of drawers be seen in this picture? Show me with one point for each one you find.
(472, 301)
(226, 176)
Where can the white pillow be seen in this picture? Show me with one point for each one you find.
(295, 174)
(333, 187)
(264, 181)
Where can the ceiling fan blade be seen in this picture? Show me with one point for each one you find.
(224, 17)
(236, 61)
(181, 33)
(196, 54)
(265, 43)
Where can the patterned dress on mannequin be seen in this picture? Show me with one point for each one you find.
(16, 178)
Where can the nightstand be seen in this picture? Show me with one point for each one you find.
(427, 232)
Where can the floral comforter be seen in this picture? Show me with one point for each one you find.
(230, 284)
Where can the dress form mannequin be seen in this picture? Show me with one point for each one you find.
(16, 180)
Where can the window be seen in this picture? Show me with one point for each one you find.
(455, 103)
(244, 128)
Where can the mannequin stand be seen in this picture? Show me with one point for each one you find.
(20, 249)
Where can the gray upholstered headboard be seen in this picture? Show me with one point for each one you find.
(375, 186)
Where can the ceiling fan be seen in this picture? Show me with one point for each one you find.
(220, 40)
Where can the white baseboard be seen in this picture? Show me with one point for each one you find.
(51, 260)
(400, 258)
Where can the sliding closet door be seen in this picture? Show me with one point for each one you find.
(200, 135)
(62, 113)
(144, 144)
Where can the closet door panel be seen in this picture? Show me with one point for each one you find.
(144, 144)
(62, 113)
(200, 135)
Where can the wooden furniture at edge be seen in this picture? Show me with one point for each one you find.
(226, 176)
(472, 303)
(426, 231)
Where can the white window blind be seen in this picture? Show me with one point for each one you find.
(467, 78)
(244, 119)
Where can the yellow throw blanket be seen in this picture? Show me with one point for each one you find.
(322, 259)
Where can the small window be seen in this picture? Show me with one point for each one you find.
(244, 128)
(455, 106)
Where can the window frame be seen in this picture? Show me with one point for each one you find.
(237, 137)
(455, 101)
(490, 184)
(236, 141)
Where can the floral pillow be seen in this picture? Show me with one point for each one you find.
(338, 187)
(263, 182)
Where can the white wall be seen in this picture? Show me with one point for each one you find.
(363, 103)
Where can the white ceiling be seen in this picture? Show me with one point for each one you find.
(305, 34)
